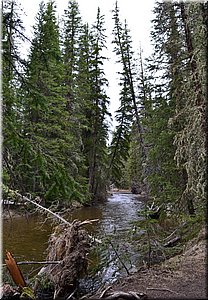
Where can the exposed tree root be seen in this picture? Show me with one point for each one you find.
(70, 245)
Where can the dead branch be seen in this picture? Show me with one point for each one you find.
(177, 229)
(105, 291)
(57, 216)
(43, 208)
(118, 256)
(36, 263)
(88, 222)
(172, 242)
(123, 295)
(71, 295)
(162, 289)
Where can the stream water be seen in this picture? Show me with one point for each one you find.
(27, 239)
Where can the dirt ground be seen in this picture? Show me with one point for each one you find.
(181, 277)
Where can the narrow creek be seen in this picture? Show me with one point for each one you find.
(27, 239)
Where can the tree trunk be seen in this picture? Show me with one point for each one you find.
(193, 63)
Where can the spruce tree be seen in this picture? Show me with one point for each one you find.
(83, 92)
(12, 79)
(97, 140)
(123, 49)
(119, 147)
(71, 33)
(51, 155)
(71, 41)
(175, 73)
(165, 181)
(190, 139)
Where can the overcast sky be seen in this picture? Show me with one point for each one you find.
(137, 13)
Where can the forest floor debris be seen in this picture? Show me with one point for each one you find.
(181, 277)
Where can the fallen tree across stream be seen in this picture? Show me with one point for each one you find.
(69, 245)
(43, 209)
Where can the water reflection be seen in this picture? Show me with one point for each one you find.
(116, 216)
(27, 240)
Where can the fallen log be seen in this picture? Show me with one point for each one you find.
(113, 295)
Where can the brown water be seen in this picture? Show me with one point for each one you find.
(27, 239)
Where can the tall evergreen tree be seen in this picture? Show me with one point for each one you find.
(123, 49)
(119, 147)
(97, 151)
(51, 155)
(165, 180)
(172, 71)
(83, 94)
(71, 34)
(190, 139)
(12, 78)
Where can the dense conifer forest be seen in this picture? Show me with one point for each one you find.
(142, 186)
(56, 109)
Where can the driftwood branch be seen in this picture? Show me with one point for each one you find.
(175, 231)
(88, 222)
(172, 242)
(123, 295)
(36, 263)
(105, 291)
(71, 295)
